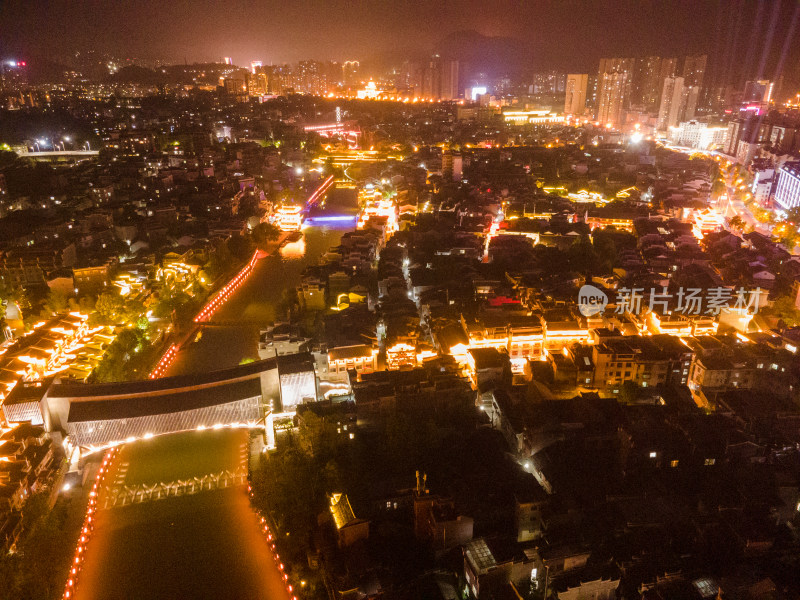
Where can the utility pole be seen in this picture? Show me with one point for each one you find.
(546, 577)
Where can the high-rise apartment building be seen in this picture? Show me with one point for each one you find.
(592, 92)
(548, 83)
(670, 105)
(645, 79)
(575, 99)
(311, 77)
(236, 85)
(449, 81)
(651, 73)
(439, 79)
(689, 98)
(612, 97)
(694, 70)
(259, 85)
(759, 92)
(350, 75)
(613, 89)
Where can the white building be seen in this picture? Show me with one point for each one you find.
(763, 179)
(670, 105)
(696, 134)
(787, 192)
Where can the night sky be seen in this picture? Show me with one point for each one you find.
(739, 35)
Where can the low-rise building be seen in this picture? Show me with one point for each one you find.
(280, 339)
(633, 359)
(26, 466)
(491, 564)
(437, 523)
(360, 358)
(487, 364)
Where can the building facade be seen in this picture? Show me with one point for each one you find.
(575, 101)
(787, 192)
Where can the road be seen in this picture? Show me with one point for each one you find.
(732, 207)
(737, 207)
(203, 545)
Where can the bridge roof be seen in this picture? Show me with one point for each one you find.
(142, 406)
(163, 384)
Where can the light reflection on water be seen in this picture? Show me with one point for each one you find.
(258, 302)
(294, 249)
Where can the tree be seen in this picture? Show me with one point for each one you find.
(86, 304)
(132, 310)
(219, 262)
(109, 305)
(628, 392)
(240, 247)
(736, 223)
(606, 250)
(57, 302)
(12, 293)
(582, 256)
(317, 435)
(784, 308)
(263, 233)
(39, 569)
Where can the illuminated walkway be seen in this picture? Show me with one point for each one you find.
(202, 545)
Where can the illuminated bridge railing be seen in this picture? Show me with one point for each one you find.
(124, 495)
(320, 191)
(99, 433)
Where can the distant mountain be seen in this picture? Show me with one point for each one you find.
(492, 55)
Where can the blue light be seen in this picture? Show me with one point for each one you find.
(334, 218)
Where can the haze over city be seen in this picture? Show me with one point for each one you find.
(743, 38)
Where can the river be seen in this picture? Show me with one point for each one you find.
(199, 545)
(255, 304)
(204, 545)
